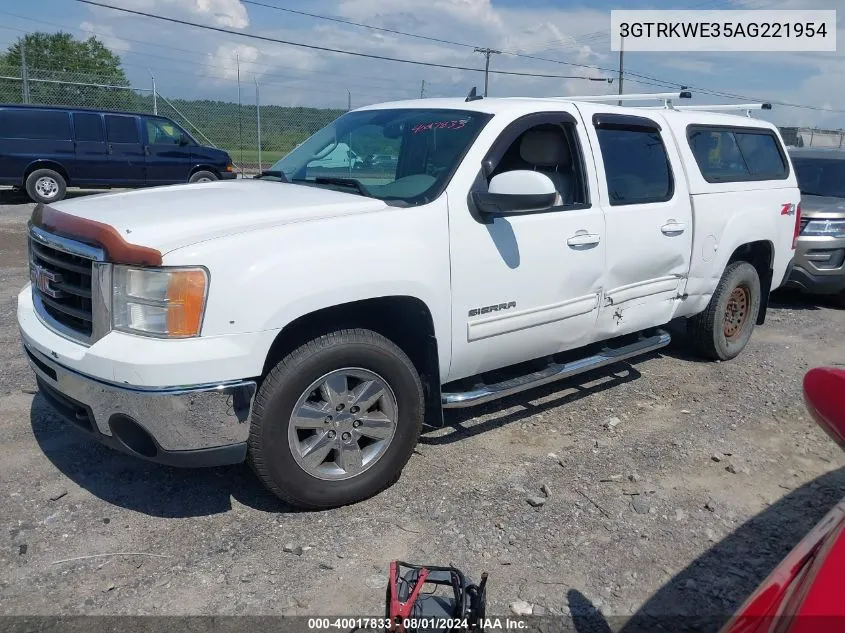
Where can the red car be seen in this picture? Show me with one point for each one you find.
(806, 591)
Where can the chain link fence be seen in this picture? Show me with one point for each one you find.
(253, 133)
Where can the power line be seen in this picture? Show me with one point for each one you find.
(332, 18)
(327, 49)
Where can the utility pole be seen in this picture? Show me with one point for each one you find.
(348, 100)
(422, 89)
(487, 52)
(24, 72)
(621, 66)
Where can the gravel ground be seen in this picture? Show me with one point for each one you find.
(673, 486)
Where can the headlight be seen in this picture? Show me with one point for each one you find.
(825, 228)
(164, 302)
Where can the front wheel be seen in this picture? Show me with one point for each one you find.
(336, 420)
(722, 331)
(45, 185)
(202, 176)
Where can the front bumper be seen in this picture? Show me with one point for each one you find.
(228, 175)
(201, 425)
(819, 265)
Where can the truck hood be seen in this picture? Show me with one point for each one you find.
(171, 217)
(813, 205)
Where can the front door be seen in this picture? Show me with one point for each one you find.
(126, 163)
(168, 155)
(646, 203)
(528, 285)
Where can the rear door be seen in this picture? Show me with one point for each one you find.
(92, 159)
(126, 164)
(168, 159)
(645, 198)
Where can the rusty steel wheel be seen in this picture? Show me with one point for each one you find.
(723, 329)
(736, 312)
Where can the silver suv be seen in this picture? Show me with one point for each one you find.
(820, 253)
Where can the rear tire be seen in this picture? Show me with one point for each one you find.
(45, 185)
(311, 444)
(203, 176)
(722, 331)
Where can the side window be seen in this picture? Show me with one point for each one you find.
(718, 155)
(636, 165)
(161, 132)
(737, 154)
(121, 129)
(88, 127)
(35, 124)
(551, 149)
(762, 154)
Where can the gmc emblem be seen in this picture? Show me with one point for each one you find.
(42, 279)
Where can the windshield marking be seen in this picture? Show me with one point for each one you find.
(439, 125)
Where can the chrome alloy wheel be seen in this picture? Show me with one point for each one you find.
(342, 424)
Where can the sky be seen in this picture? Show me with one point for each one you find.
(189, 62)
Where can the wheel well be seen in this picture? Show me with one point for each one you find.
(45, 164)
(406, 321)
(760, 255)
(204, 168)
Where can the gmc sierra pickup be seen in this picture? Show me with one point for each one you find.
(312, 319)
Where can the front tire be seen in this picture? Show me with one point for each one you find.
(336, 420)
(722, 331)
(203, 176)
(45, 185)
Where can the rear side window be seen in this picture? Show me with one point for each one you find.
(121, 129)
(88, 127)
(35, 124)
(737, 154)
(636, 166)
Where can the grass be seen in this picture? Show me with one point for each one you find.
(250, 157)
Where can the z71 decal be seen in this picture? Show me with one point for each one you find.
(495, 308)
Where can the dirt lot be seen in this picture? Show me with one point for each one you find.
(641, 518)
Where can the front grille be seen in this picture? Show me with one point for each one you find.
(62, 281)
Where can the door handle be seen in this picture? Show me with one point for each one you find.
(673, 228)
(584, 239)
(147, 150)
(109, 149)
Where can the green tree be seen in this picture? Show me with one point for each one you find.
(61, 69)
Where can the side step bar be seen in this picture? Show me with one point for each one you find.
(555, 371)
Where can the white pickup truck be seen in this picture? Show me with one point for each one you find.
(311, 320)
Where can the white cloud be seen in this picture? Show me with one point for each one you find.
(226, 13)
(106, 35)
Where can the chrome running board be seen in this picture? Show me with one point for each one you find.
(555, 371)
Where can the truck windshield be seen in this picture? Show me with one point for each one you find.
(403, 155)
(821, 176)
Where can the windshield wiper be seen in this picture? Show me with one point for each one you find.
(343, 182)
(273, 174)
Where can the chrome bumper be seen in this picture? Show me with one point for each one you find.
(199, 425)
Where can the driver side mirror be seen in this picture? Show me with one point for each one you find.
(513, 192)
(183, 140)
